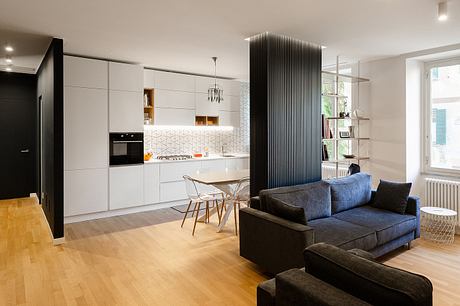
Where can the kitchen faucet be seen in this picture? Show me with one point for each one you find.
(223, 149)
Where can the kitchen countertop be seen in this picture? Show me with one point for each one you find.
(211, 157)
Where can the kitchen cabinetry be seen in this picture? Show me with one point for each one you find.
(151, 183)
(203, 84)
(174, 116)
(213, 165)
(237, 163)
(126, 77)
(227, 118)
(170, 171)
(204, 107)
(126, 187)
(174, 99)
(126, 111)
(149, 78)
(85, 191)
(174, 81)
(230, 104)
(85, 132)
(84, 72)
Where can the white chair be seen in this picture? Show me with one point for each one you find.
(198, 198)
(240, 194)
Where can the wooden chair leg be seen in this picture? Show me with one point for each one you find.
(207, 211)
(196, 217)
(188, 207)
(234, 213)
(218, 212)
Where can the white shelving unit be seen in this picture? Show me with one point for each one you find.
(335, 78)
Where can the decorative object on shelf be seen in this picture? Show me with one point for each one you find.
(344, 134)
(348, 155)
(351, 131)
(326, 131)
(215, 94)
(357, 114)
(325, 154)
(344, 115)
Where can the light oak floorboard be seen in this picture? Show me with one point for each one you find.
(147, 259)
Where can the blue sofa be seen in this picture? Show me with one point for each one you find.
(338, 212)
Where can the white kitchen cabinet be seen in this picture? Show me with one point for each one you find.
(171, 171)
(149, 78)
(231, 87)
(230, 104)
(126, 113)
(204, 107)
(151, 183)
(126, 77)
(85, 72)
(227, 118)
(174, 99)
(213, 165)
(126, 186)
(85, 191)
(203, 84)
(173, 191)
(174, 116)
(174, 81)
(237, 163)
(85, 128)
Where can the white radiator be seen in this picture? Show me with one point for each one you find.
(443, 193)
(328, 172)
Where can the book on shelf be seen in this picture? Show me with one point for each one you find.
(325, 154)
(326, 132)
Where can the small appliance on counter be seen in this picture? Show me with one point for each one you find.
(126, 148)
(175, 157)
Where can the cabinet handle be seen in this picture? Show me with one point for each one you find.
(25, 151)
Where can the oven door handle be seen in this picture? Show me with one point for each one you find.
(127, 141)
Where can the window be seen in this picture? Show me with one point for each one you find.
(443, 117)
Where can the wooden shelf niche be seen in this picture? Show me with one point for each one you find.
(149, 106)
(206, 120)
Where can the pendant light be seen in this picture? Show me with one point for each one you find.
(215, 94)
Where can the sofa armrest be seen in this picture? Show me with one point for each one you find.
(294, 287)
(273, 243)
(413, 208)
(254, 202)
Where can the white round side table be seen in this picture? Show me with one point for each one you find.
(438, 224)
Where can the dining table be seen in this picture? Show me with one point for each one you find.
(225, 181)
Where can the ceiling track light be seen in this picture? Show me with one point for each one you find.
(442, 11)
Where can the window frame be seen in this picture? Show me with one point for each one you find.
(427, 118)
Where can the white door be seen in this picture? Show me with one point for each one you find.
(126, 187)
(85, 128)
(126, 111)
(85, 191)
(126, 77)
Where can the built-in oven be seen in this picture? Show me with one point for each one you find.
(126, 148)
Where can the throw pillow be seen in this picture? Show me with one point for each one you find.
(284, 210)
(392, 196)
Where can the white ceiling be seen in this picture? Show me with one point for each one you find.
(183, 35)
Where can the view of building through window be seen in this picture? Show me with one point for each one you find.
(445, 117)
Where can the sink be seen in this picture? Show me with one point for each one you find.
(228, 155)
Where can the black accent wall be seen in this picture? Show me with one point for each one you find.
(285, 111)
(50, 89)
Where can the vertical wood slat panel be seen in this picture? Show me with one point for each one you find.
(285, 99)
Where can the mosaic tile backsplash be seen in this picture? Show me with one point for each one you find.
(174, 141)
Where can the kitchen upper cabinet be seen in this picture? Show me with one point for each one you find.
(126, 113)
(126, 77)
(230, 104)
(85, 128)
(85, 191)
(204, 107)
(149, 78)
(174, 116)
(171, 171)
(126, 187)
(229, 118)
(231, 87)
(174, 99)
(174, 81)
(84, 72)
(151, 183)
(203, 84)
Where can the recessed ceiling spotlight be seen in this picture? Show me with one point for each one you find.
(9, 69)
(9, 48)
(442, 11)
(323, 47)
(8, 59)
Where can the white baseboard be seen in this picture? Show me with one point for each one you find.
(120, 212)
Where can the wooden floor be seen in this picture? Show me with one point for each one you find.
(147, 259)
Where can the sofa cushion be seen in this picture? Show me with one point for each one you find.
(343, 234)
(350, 191)
(388, 225)
(370, 281)
(286, 211)
(314, 198)
(392, 196)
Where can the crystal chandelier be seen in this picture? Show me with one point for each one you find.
(215, 94)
